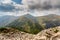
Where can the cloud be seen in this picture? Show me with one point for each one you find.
(5, 1)
(12, 13)
(9, 7)
(32, 4)
(6, 5)
(42, 7)
(42, 4)
(34, 7)
(6, 8)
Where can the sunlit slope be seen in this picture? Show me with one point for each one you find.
(27, 23)
(31, 24)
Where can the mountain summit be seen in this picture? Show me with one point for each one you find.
(31, 24)
(26, 23)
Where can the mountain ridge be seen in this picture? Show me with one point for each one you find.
(31, 24)
(4, 20)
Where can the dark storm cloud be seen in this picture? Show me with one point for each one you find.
(38, 6)
(46, 4)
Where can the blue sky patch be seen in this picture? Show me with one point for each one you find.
(17, 1)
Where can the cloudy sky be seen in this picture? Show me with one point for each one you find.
(33, 7)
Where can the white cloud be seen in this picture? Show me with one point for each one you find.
(6, 1)
(36, 6)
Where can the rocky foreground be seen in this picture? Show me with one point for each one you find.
(13, 34)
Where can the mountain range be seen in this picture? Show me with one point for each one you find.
(31, 24)
(48, 21)
(5, 20)
(26, 23)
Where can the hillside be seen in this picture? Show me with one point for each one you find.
(31, 24)
(48, 21)
(26, 23)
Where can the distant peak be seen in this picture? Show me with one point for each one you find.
(29, 14)
(52, 15)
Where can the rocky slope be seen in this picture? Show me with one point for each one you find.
(14, 34)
